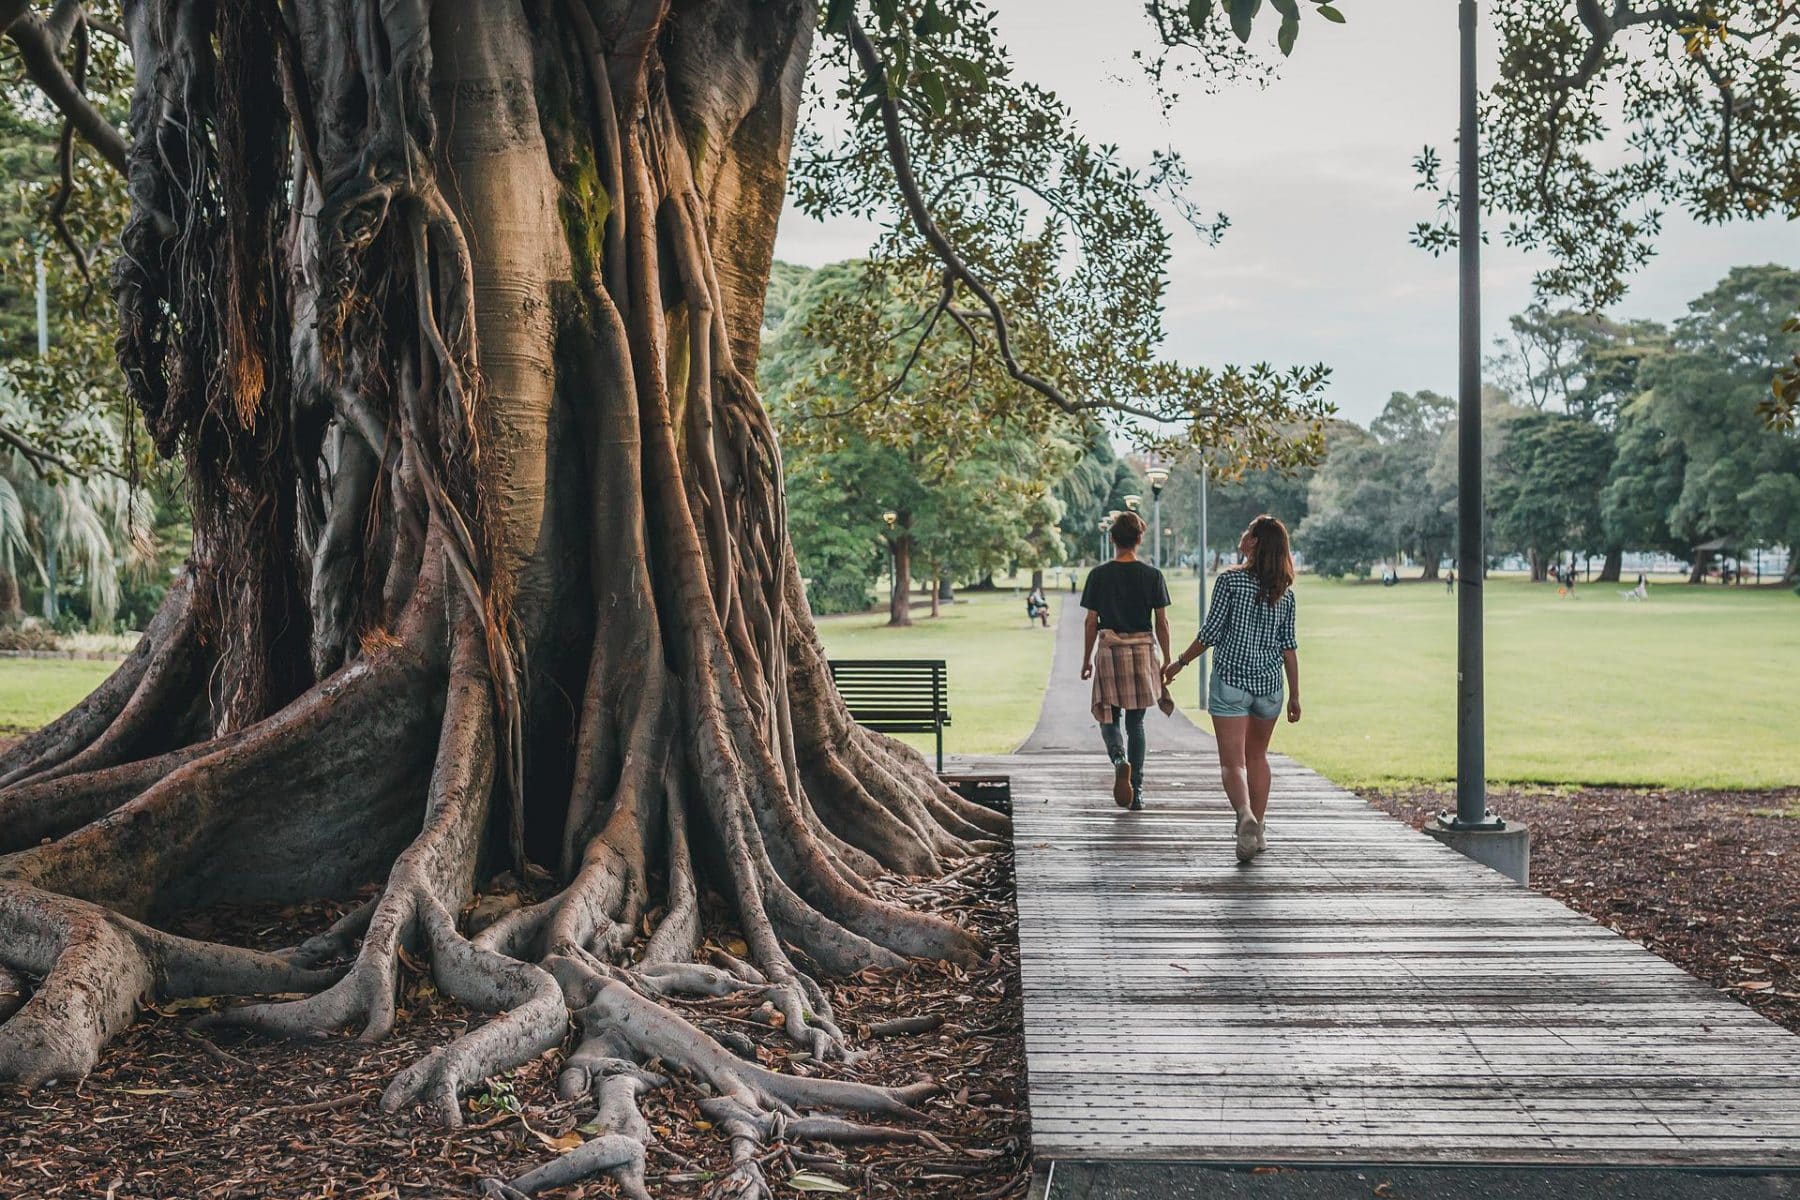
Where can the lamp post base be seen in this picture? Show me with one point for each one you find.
(1492, 843)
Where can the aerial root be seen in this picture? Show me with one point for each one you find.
(533, 1020)
(337, 942)
(622, 1024)
(623, 1135)
(95, 966)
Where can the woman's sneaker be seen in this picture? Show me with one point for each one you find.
(1248, 830)
(1122, 784)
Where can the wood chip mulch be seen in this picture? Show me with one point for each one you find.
(171, 1112)
(1708, 880)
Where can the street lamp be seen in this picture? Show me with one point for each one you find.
(1132, 502)
(1471, 547)
(1156, 477)
(888, 518)
(1200, 572)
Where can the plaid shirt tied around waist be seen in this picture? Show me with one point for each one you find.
(1125, 673)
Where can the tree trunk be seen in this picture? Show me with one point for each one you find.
(1540, 571)
(1614, 566)
(52, 582)
(900, 596)
(944, 592)
(1428, 564)
(12, 604)
(1037, 579)
(1703, 560)
(937, 592)
(462, 375)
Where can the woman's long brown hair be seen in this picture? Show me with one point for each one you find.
(1272, 562)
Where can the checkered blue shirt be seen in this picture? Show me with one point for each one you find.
(1247, 636)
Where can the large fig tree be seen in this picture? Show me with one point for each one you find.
(451, 310)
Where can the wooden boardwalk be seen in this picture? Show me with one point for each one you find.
(1360, 993)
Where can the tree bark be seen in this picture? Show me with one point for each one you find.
(1613, 567)
(454, 322)
(12, 604)
(936, 586)
(1037, 579)
(900, 595)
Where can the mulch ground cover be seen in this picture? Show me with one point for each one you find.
(174, 1111)
(1708, 880)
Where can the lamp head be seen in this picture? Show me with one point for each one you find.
(1132, 502)
(890, 517)
(1156, 477)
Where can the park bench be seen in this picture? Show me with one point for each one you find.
(896, 695)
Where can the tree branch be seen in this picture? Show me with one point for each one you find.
(38, 52)
(916, 207)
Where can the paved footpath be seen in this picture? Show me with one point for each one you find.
(1359, 994)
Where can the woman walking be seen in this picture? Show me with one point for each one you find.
(1250, 626)
(1125, 599)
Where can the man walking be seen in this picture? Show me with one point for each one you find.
(1125, 600)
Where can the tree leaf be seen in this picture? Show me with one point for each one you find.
(1290, 29)
(1287, 8)
(933, 86)
(1330, 13)
(806, 1181)
(838, 14)
(1243, 17)
(1199, 12)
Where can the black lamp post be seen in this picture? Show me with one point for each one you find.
(1471, 543)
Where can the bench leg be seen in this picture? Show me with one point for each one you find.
(940, 748)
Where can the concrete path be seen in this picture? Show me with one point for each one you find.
(1064, 722)
(1358, 995)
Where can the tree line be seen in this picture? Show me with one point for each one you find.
(1606, 436)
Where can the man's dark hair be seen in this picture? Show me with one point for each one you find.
(1128, 530)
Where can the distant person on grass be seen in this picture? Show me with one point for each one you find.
(1251, 626)
(1124, 599)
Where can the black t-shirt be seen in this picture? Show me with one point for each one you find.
(1124, 593)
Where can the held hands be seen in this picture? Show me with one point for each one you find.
(1170, 671)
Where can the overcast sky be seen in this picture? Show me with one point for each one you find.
(1315, 173)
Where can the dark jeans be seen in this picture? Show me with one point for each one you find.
(1131, 747)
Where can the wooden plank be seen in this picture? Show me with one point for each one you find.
(1360, 992)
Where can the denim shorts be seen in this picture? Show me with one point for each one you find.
(1227, 700)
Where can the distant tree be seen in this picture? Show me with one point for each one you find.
(1545, 496)
(1377, 496)
(965, 504)
(1096, 484)
(1586, 365)
(70, 531)
(1693, 448)
(1349, 506)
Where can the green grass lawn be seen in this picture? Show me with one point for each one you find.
(998, 664)
(1698, 687)
(35, 691)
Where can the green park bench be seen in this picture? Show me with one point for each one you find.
(912, 695)
(896, 695)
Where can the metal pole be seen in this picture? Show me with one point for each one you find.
(1471, 765)
(1204, 556)
(43, 307)
(1156, 534)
